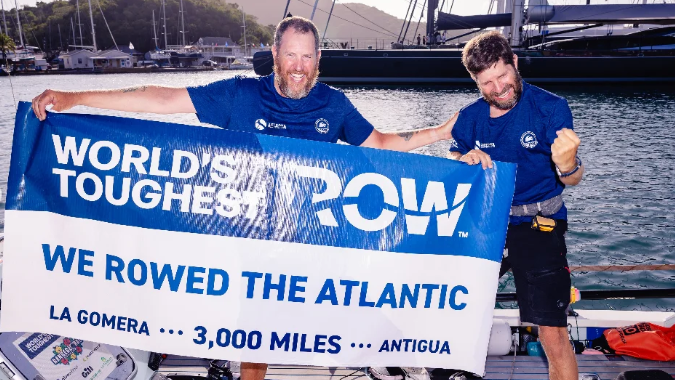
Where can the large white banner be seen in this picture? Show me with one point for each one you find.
(216, 244)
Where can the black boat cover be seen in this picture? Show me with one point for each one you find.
(569, 14)
(614, 14)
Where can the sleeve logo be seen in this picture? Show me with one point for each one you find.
(260, 124)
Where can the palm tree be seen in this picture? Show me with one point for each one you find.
(7, 45)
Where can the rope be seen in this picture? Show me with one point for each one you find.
(9, 75)
(620, 268)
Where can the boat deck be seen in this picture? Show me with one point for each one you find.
(497, 368)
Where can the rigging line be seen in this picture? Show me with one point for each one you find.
(343, 19)
(11, 85)
(345, 5)
(420, 20)
(409, 21)
(403, 26)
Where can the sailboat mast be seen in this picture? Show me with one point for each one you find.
(182, 20)
(286, 10)
(4, 20)
(93, 31)
(154, 28)
(431, 21)
(18, 23)
(517, 15)
(166, 43)
(79, 23)
(311, 18)
(243, 18)
(60, 38)
(505, 6)
(408, 26)
(404, 22)
(72, 27)
(327, 22)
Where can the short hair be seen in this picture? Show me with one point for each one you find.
(484, 51)
(300, 25)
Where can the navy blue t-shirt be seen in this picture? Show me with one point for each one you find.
(523, 136)
(254, 105)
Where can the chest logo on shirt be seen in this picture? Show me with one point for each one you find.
(261, 124)
(322, 126)
(528, 140)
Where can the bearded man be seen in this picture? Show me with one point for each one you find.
(287, 103)
(520, 123)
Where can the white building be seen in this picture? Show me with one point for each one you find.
(85, 59)
(78, 59)
(112, 58)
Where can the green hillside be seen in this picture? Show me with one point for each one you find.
(131, 21)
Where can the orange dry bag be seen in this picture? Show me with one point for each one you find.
(643, 340)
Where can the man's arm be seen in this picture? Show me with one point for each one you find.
(151, 99)
(406, 141)
(564, 153)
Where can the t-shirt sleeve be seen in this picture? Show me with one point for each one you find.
(213, 102)
(355, 128)
(461, 135)
(561, 117)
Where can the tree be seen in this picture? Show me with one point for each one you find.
(7, 45)
(131, 21)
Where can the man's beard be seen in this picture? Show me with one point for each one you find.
(287, 89)
(510, 103)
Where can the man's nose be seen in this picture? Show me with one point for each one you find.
(297, 64)
(499, 87)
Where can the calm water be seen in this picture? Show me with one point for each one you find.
(621, 214)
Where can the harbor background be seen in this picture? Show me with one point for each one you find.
(621, 214)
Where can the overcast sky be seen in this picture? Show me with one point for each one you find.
(398, 8)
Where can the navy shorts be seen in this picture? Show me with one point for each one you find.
(539, 263)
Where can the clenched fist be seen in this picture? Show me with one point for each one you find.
(564, 150)
(60, 101)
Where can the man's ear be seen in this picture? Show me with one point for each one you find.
(515, 61)
(274, 52)
(318, 55)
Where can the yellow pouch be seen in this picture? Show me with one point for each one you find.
(543, 223)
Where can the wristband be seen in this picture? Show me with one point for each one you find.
(563, 175)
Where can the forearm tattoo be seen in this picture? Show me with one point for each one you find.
(133, 89)
(407, 135)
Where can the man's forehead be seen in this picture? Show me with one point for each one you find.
(294, 35)
(497, 69)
